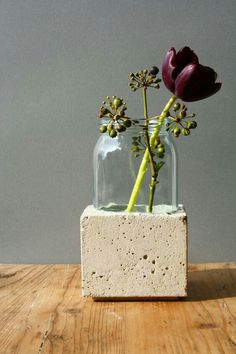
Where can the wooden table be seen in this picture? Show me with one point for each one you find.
(42, 311)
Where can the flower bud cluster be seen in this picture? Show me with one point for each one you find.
(139, 145)
(158, 148)
(114, 109)
(180, 122)
(144, 78)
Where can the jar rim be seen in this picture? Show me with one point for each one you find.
(140, 126)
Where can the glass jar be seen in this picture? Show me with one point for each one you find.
(116, 167)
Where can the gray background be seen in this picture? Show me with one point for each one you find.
(58, 60)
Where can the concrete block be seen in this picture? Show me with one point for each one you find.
(135, 255)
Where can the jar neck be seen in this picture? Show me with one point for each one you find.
(140, 127)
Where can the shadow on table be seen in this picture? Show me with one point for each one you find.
(208, 284)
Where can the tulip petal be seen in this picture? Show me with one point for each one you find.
(196, 82)
(169, 64)
(184, 57)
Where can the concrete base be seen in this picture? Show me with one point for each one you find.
(137, 255)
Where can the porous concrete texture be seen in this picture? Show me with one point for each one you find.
(133, 254)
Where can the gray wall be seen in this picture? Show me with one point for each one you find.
(58, 60)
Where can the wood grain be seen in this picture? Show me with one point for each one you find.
(41, 311)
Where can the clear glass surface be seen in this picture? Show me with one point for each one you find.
(116, 168)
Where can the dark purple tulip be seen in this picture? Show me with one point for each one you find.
(186, 78)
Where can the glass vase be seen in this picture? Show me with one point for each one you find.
(116, 166)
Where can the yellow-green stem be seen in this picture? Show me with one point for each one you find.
(152, 185)
(145, 111)
(152, 192)
(145, 160)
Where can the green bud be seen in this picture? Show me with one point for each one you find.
(160, 146)
(185, 131)
(161, 155)
(192, 124)
(135, 149)
(127, 122)
(119, 128)
(113, 133)
(116, 116)
(110, 127)
(176, 131)
(104, 110)
(161, 150)
(117, 102)
(182, 114)
(103, 129)
(176, 106)
(192, 115)
(154, 70)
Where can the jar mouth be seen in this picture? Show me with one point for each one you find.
(139, 126)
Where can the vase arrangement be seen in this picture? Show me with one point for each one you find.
(134, 237)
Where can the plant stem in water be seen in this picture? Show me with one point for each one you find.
(145, 160)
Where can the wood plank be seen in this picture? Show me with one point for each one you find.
(41, 311)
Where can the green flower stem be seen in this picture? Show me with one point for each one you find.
(152, 192)
(145, 160)
(145, 110)
(146, 132)
(152, 167)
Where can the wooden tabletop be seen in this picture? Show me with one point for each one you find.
(41, 311)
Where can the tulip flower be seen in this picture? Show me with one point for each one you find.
(186, 78)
